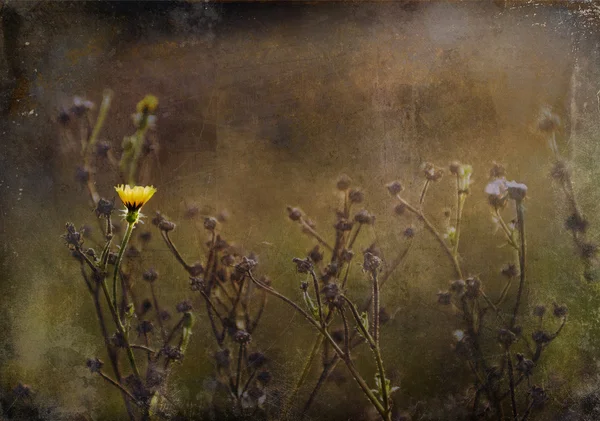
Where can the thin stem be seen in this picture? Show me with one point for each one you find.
(511, 380)
(238, 374)
(143, 347)
(423, 193)
(118, 386)
(378, 359)
(318, 294)
(126, 238)
(507, 231)
(522, 261)
(436, 234)
(375, 295)
(304, 374)
(461, 198)
(354, 236)
(315, 234)
(169, 242)
(102, 113)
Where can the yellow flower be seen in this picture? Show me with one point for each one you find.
(148, 104)
(135, 197)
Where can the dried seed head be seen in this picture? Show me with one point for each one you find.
(371, 262)
(210, 223)
(22, 391)
(506, 337)
(94, 364)
(197, 283)
(432, 173)
(315, 254)
(454, 167)
(457, 286)
(146, 306)
(356, 196)
(117, 340)
(172, 353)
(222, 358)
(524, 365)
(548, 121)
(538, 396)
(302, 265)
(343, 182)
(145, 327)
(516, 191)
(82, 175)
(257, 360)
(184, 306)
(444, 297)
(150, 275)
(246, 265)
(196, 269)
(331, 291)
(165, 315)
(497, 170)
(539, 310)
(73, 238)
(588, 250)
(473, 289)
(394, 188)
(343, 225)
(576, 223)
(510, 270)
(104, 208)
(347, 255)
(242, 337)
(264, 377)
(294, 214)
(560, 310)
(541, 337)
(364, 217)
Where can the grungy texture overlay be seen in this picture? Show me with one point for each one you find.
(264, 106)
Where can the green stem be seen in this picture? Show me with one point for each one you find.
(114, 307)
(376, 351)
(126, 238)
(462, 196)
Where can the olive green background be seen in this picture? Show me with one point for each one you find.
(264, 106)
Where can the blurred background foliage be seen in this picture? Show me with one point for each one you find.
(264, 106)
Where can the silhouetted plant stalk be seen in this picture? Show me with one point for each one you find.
(227, 295)
(464, 295)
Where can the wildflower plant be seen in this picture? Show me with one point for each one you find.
(494, 384)
(222, 283)
(327, 303)
(143, 381)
